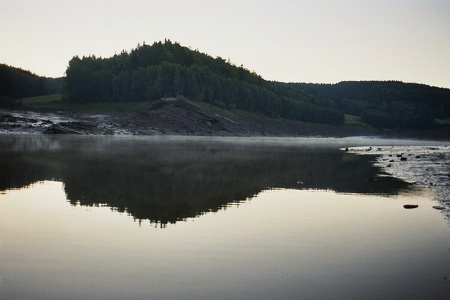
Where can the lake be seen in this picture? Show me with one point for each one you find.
(90, 217)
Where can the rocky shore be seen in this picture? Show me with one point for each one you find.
(425, 166)
(169, 119)
(174, 117)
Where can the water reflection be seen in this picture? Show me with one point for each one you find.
(167, 180)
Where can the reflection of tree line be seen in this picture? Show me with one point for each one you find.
(166, 185)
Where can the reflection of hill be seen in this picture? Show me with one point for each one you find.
(169, 181)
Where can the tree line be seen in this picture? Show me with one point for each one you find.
(16, 83)
(166, 69)
(387, 104)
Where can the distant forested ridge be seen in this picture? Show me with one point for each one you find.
(387, 104)
(16, 83)
(168, 69)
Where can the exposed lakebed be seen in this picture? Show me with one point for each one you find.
(171, 118)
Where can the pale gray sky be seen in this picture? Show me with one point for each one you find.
(321, 41)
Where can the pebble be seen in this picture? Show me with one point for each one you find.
(410, 206)
(438, 207)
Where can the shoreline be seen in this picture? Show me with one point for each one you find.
(427, 167)
(187, 121)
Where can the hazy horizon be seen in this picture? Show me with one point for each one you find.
(288, 41)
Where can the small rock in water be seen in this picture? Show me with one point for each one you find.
(410, 206)
(439, 207)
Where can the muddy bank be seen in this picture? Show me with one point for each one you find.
(170, 119)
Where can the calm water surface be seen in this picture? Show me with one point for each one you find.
(176, 218)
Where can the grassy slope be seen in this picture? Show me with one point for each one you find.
(56, 102)
(443, 122)
(354, 120)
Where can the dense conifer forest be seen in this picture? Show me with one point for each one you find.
(388, 104)
(168, 69)
(16, 83)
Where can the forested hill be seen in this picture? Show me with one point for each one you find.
(386, 104)
(16, 83)
(168, 69)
